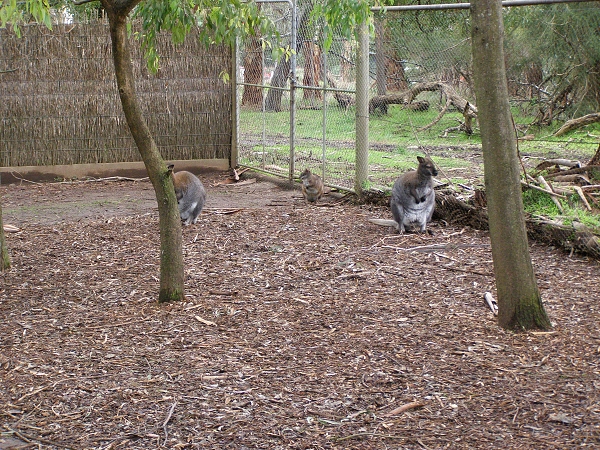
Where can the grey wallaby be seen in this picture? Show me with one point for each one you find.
(191, 196)
(413, 198)
(312, 186)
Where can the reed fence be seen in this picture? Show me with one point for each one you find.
(59, 102)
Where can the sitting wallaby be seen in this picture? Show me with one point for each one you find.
(312, 186)
(191, 196)
(413, 197)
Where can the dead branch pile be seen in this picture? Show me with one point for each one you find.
(575, 237)
(577, 179)
(407, 98)
(345, 100)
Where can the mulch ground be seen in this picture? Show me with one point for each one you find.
(303, 328)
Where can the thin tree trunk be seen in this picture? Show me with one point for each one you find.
(171, 256)
(313, 68)
(4, 256)
(519, 300)
(380, 61)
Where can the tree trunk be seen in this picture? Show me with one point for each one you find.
(519, 300)
(4, 256)
(380, 59)
(171, 256)
(252, 95)
(274, 96)
(313, 68)
(346, 65)
(273, 99)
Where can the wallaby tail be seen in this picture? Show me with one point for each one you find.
(384, 222)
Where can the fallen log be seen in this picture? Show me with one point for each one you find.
(574, 124)
(452, 210)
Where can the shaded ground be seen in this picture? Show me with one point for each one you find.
(304, 327)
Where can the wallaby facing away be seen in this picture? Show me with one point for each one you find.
(191, 196)
(413, 197)
(312, 186)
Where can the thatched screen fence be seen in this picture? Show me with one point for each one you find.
(59, 103)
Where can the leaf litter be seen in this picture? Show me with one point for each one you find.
(303, 327)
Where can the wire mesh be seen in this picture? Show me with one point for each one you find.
(421, 91)
(297, 112)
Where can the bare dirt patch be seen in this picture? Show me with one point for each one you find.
(304, 327)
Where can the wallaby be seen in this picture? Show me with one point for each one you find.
(312, 186)
(413, 197)
(191, 196)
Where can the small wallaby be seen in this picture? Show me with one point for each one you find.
(191, 196)
(312, 186)
(413, 197)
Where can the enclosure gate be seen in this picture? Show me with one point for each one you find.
(296, 113)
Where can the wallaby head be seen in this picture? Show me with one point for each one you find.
(426, 167)
(312, 186)
(305, 175)
(190, 194)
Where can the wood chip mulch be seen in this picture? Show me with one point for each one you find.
(304, 328)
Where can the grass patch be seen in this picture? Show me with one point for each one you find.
(540, 204)
(395, 142)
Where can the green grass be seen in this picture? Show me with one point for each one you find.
(536, 202)
(395, 142)
(400, 128)
(540, 204)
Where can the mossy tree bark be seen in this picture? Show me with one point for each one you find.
(171, 255)
(4, 256)
(519, 301)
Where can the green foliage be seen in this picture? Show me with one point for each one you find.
(342, 15)
(218, 22)
(561, 43)
(430, 42)
(15, 13)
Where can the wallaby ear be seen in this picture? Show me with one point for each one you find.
(420, 159)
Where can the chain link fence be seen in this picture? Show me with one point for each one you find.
(297, 112)
(301, 114)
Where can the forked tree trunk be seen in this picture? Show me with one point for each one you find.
(171, 256)
(4, 256)
(519, 301)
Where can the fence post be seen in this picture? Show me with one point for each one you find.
(293, 92)
(362, 110)
(235, 107)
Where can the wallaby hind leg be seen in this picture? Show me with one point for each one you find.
(398, 214)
